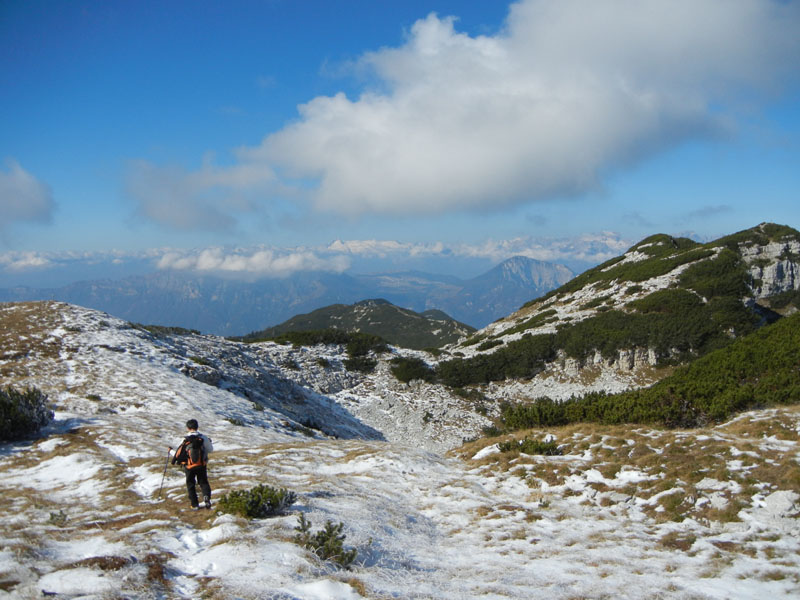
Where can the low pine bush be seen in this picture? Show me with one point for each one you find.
(530, 446)
(259, 502)
(362, 364)
(758, 370)
(327, 543)
(22, 413)
(408, 369)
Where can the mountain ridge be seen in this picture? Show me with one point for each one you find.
(665, 301)
(397, 325)
(229, 307)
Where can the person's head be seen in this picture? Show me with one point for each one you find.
(192, 425)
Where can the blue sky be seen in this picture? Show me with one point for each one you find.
(262, 138)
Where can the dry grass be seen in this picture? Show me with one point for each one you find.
(24, 333)
(104, 563)
(733, 463)
(675, 540)
(358, 586)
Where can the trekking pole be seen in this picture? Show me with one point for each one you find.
(169, 449)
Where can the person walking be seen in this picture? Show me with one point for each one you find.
(192, 455)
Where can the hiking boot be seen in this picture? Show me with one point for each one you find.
(195, 506)
(207, 502)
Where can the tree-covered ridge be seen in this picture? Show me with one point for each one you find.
(761, 235)
(716, 272)
(650, 258)
(356, 343)
(660, 254)
(756, 371)
(398, 326)
(673, 297)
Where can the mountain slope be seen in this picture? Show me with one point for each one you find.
(87, 516)
(505, 288)
(756, 370)
(396, 325)
(626, 322)
(477, 301)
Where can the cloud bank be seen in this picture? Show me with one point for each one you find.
(569, 90)
(23, 197)
(207, 199)
(588, 248)
(264, 262)
(336, 257)
(566, 92)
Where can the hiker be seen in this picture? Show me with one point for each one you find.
(192, 454)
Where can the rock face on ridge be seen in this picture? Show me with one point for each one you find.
(773, 268)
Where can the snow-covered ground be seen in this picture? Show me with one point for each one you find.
(86, 517)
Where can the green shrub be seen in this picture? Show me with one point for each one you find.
(407, 369)
(361, 344)
(257, 503)
(22, 413)
(595, 302)
(539, 319)
(724, 275)
(356, 343)
(523, 358)
(530, 446)
(541, 412)
(327, 543)
(160, 330)
(784, 299)
(489, 344)
(362, 364)
(59, 519)
(471, 341)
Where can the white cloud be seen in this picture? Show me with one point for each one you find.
(251, 261)
(589, 248)
(585, 248)
(23, 197)
(337, 257)
(384, 248)
(568, 90)
(20, 261)
(24, 261)
(207, 199)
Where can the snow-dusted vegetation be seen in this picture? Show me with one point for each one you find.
(622, 511)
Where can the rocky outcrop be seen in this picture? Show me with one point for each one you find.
(626, 360)
(773, 268)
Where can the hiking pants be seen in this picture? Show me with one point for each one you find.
(200, 475)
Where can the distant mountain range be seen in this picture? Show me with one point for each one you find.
(231, 307)
(398, 326)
